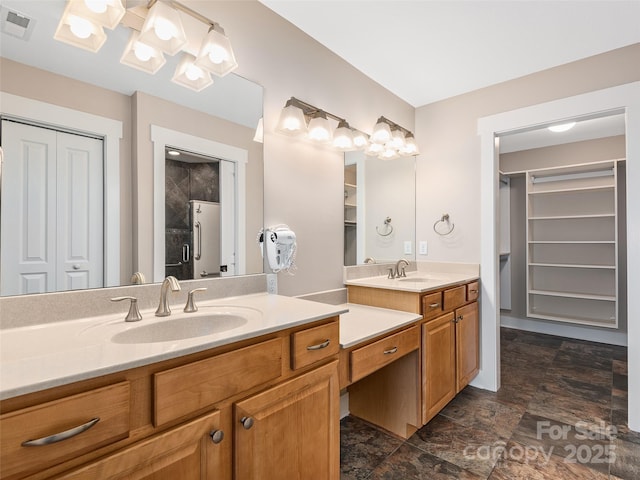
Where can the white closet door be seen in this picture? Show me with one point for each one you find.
(80, 213)
(52, 216)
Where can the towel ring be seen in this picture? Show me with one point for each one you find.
(444, 219)
(387, 222)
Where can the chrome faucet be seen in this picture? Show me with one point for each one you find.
(163, 308)
(400, 268)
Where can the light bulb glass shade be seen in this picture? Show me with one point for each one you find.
(397, 139)
(259, 135)
(189, 75)
(162, 29)
(142, 56)
(410, 147)
(319, 129)
(216, 54)
(563, 127)
(374, 149)
(106, 13)
(360, 140)
(291, 121)
(381, 132)
(79, 32)
(389, 154)
(343, 137)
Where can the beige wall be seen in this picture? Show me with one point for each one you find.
(29, 82)
(303, 183)
(149, 110)
(448, 168)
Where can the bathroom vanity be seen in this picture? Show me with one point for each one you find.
(403, 377)
(259, 400)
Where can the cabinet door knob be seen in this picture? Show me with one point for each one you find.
(216, 436)
(247, 422)
(459, 319)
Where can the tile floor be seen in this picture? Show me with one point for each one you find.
(561, 414)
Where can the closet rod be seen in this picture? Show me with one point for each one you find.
(573, 176)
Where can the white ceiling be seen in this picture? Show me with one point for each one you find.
(429, 50)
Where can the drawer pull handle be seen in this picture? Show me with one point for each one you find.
(434, 305)
(320, 346)
(58, 437)
(473, 291)
(390, 351)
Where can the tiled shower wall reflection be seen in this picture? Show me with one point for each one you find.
(185, 181)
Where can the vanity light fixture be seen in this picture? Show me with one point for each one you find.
(142, 56)
(216, 54)
(391, 140)
(190, 75)
(381, 132)
(562, 127)
(163, 28)
(157, 29)
(292, 121)
(319, 129)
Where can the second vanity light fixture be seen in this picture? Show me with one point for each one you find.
(156, 30)
(387, 141)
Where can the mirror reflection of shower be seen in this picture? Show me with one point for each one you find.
(192, 215)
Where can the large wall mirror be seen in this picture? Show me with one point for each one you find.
(379, 209)
(113, 176)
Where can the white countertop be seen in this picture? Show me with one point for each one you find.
(363, 322)
(415, 281)
(43, 356)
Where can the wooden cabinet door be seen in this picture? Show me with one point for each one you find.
(467, 343)
(290, 431)
(438, 365)
(184, 452)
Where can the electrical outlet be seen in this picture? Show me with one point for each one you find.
(272, 283)
(407, 247)
(423, 247)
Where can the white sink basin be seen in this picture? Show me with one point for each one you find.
(417, 279)
(180, 328)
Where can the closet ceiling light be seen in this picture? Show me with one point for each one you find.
(563, 127)
(190, 75)
(156, 28)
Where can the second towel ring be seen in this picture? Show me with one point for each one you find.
(444, 219)
(387, 222)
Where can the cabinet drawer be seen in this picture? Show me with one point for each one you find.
(454, 297)
(184, 390)
(372, 357)
(472, 291)
(432, 305)
(110, 405)
(314, 344)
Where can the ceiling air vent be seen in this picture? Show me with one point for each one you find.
(15, 24)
